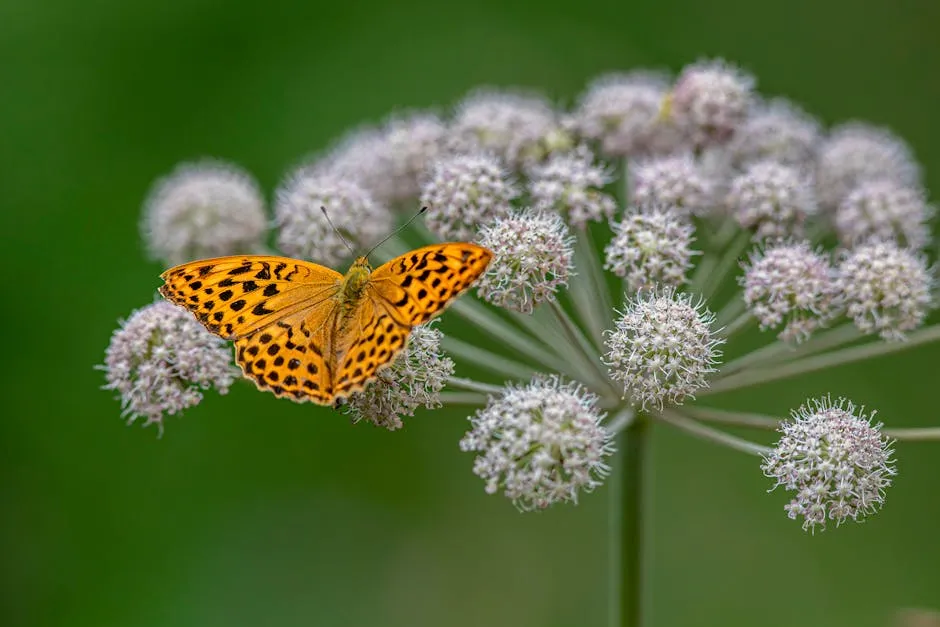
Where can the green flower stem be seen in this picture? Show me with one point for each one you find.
(705, 266)
(724, 233)
(831, 338)
(705, 432)
(760, 421)
(781, 351)
(731, 418)
(626, 524)
(508, 334)
(727, 262)
(624, 190)
(586, 352)
(623, 419)
(734, 308)
(592, 256)
(738, 324)
(820, 362)
(540, 325)
(485, 359)
(463, 398)
(914, 435)
(474, 386)
(816, 231)
(589, 291)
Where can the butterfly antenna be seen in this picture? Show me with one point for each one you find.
(338, 232)
(396, 231)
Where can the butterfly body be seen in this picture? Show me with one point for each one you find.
(354, 284)
(306, 332)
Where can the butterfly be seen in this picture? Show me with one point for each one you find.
(308, 333)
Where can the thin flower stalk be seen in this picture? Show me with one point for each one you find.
(474, 386)
(576, 338)
(820, 362)
(716, 277)
(499, 365)
(541, 324)
(778, 352)
(730, 311)
(731, 418)
(684, 423)
(760, 421)
(589, 292)
(463, 398)
(925, 434)
(737, 325)
(505, 332)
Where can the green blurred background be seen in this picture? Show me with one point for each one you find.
(253, 511)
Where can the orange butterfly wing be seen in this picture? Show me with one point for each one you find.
(403, 293)
(280, 312)
(284, 314)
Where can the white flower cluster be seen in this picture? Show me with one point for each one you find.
(533, 259)
(540, 444)
(663, 349)
(834, 460)
(651, 247)
(161, 359)
(204, 209)
(305, 232)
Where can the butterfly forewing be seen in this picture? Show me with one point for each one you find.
(235, 296)
(418, 285)
(278, 311)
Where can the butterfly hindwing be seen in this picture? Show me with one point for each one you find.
(419, 285)
(234, 296)
(291, 357)
(371, 340)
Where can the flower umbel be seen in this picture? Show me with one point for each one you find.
(303, 230)
(540, 443)
(884, 209)
(570, 184)
(772, 199)
(886, 288)
(651, 246)
(520, 128)
(414, 379)
(161, 359)
(835, 460)
(389, 161)
(204, 209)
(620, 188)
(463, 192)
(791, 285)
(675, 181)
(777, 131)
(663, 348)
(533, 258)
(413, 142)
(710, 100)
(854, 153)
(623, 113)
